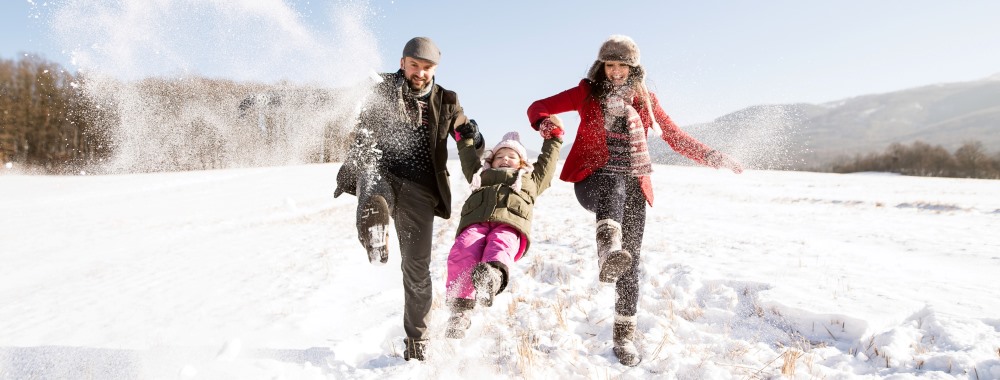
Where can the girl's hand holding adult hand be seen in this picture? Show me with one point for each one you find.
(551, 127)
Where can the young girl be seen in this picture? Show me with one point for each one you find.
(496, 220)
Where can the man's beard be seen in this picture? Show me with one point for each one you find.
(415, 87)
(422, 90)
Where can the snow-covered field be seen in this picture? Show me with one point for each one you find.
(257, 274)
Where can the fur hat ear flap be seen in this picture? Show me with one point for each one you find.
(592, 73)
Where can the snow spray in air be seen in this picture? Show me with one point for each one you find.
(759, 137)
(186, 84)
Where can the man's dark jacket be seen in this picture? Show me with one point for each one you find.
(445, 115)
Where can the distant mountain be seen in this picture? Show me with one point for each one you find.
(814, 136)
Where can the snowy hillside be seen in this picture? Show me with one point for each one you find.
(816, 135)
(257, 274)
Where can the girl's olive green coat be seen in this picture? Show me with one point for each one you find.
(495, 200)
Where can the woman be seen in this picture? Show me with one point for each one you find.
(610, 165)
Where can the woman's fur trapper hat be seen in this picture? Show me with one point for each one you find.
(616, 48)
(619, 48)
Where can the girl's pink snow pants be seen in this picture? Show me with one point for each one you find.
(481, 243)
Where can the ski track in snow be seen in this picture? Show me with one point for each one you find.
(257, 273)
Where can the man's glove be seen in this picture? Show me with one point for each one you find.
(551, 127)
(470, 130)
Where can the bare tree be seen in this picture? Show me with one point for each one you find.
(973, 162)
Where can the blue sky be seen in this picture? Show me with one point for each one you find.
(704, 59)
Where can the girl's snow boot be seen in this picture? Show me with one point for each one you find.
(460, 319)
(486, 279)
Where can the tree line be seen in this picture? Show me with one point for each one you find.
(921, 159)
(50, 121)
(44, 119)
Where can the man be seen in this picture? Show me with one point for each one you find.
(397, 168)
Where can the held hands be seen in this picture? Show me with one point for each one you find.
(718, 159)
(470, 130)
(551, 127)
